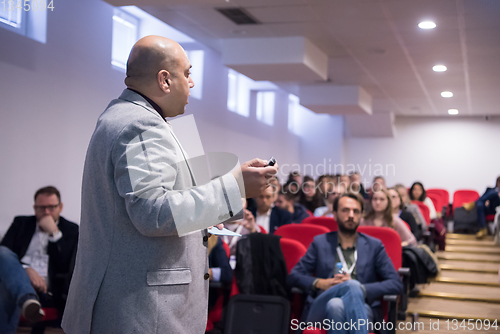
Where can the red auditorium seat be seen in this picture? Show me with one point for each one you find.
(292, 250)
(436, 200)
(460, 197)
(327, 222)
(425, 211)
(304, 233)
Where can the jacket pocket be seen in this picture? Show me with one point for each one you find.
(169, 277)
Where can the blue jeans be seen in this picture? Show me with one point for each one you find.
(345, 304)
(15, 289)
(482, 210)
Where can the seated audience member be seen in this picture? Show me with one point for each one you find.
(243, 226)
(219, 268)
(418, 193)
(380, 214)
(286, 202)
(345, 181)
(378, 183)
(356, 185)
(486, 205)
(36, 261)
(398, 210)
(295, 178)
(293, 188)
(327, 210)
(368, 272)
(325, 185)
(308, 196)
(267, 215)
(410, 207)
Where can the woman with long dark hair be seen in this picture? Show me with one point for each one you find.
(380, 214)
(418, 193)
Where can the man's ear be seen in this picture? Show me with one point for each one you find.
(335, 215)
(164, 81)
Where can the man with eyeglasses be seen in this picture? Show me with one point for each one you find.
(36, 261)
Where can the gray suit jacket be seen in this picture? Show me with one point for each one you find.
(140, 268)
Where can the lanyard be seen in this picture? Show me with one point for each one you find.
(344, 264)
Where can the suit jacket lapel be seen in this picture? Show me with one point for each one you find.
(27, 234)
(361, 263)
(331, 252)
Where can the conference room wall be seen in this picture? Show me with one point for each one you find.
(53, 93)
(442, 152)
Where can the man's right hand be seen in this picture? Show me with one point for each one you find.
(255, 176)
(248, 221)
(36, 280)
(326, 283)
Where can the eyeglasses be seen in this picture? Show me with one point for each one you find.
(42, 208)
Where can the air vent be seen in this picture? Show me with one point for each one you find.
(237, 15)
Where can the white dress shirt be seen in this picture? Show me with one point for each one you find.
(263, 220)
(36, 256)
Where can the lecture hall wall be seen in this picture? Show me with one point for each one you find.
(53, 93)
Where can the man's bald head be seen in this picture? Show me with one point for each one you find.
(150, 55)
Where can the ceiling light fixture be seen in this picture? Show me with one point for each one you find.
(427, 25)
(446, 94)
(439, 68)
(453, 111)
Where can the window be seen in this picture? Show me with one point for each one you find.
(232, 90)
(293, 114)
(125, 34)
(28, 18)
(238, 96)
(265, 107)
(238, 93)
(12, 17)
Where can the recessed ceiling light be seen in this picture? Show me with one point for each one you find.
(446, 94)
(439, 68)
(427, 25)
(453, 111)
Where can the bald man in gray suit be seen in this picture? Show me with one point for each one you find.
(142, 264)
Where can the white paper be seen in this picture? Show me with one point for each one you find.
(224, 231)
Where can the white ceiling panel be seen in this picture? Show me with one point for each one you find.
(372, 44)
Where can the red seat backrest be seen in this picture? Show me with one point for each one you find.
(460, 197)
(292, 251)
(442, 193)
(303, 233)
(437, 201)
(327, 222)
(391, 240)
(425, 211)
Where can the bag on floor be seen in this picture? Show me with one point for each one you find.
(439, 233)
(465, 220)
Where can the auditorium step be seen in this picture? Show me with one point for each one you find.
(461, 292)
(461, 277)
(484, 267)
(493, 250)
(457, 236)
(473, 257)
(467, 242)
(453, 309)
